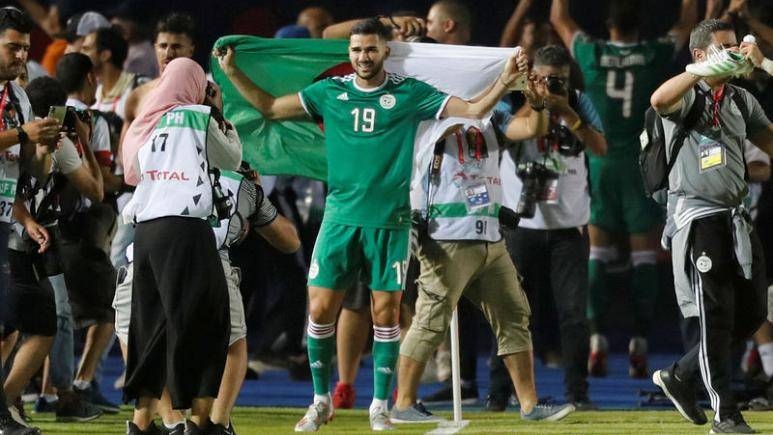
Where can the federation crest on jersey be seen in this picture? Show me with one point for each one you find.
(314, 269)
(387, 101)
(703, 263)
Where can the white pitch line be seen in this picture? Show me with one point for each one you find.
(448, 428)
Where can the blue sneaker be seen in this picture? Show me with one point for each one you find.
(416, 413)
(548, 412)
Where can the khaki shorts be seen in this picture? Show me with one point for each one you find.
(122, 303)
(484, 273)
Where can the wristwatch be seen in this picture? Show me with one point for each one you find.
(23, 137)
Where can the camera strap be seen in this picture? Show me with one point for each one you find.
(433, 180)
(437, 161)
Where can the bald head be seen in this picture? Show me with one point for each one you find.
(449, 22)
(315, 18)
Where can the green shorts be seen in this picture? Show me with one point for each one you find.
(618, 202)
(342, 252)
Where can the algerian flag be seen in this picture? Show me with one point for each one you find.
(284, 66)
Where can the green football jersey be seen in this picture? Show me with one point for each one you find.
(369, 137)
(620, 78)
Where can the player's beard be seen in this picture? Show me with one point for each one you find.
(375, 69)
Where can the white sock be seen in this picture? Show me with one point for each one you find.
(81, 385)
(174, 425)
(322, 398)
(378, 405)
(598, 343)
(766, 355)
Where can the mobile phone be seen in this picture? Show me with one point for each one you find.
(58, 113)
(520, 83)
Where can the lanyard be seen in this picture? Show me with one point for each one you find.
(459, 144)
(715, 107)
(478, 144)
(3, 104)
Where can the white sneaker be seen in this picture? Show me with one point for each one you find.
(16, 415)
(721, 63)
(318, 414)
(379, 420)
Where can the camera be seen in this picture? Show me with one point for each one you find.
(568, 144)
(556, 85)
(534, 176)
(221, 201)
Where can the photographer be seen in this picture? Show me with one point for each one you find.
(546, 185)
(43, 206)
(86, 232)
(250, 211)
(462, 253)
(18, 135)
(178, 333)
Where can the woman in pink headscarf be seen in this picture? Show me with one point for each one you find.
(179, 326)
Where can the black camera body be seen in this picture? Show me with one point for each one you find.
(221, 201)
(556, 85)
(568, 144)
(534, 176)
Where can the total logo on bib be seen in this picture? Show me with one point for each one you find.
(387, 101)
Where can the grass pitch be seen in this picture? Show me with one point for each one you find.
(269, 421)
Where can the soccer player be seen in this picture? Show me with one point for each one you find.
(371, 118)
(620, 75)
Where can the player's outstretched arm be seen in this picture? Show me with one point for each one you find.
(563, 22)
(516, 66)
(288, 106)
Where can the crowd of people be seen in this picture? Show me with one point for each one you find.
(128, 212)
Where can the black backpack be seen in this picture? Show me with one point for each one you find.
(654, 165)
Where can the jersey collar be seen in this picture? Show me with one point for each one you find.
(377, 88)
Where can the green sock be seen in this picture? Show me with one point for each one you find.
(597, 293)
(385, 355)
(644, 286)
(320, 356)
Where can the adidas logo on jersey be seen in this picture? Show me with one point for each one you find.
(343, 96)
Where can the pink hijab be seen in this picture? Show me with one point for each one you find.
(182, 83)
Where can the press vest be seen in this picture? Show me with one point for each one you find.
(464, 204)
(174, 170)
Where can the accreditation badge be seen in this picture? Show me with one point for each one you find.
(476, 196)
(712, 155)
